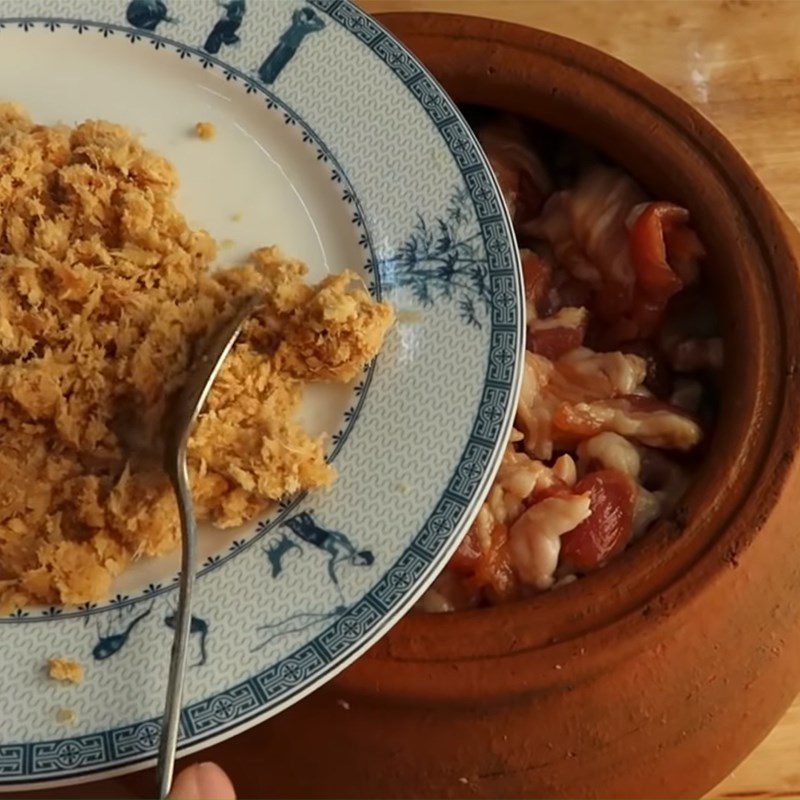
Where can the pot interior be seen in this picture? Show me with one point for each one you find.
(678, 156)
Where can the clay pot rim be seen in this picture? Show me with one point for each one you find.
(715, 539)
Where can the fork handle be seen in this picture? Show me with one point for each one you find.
(170, 725)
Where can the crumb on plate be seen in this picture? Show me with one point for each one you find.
(66, 670)
(66, 716)
(409, 316)
(205, 130)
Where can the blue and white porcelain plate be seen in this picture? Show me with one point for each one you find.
(335, 144)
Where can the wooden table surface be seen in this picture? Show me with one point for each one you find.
(737, 61)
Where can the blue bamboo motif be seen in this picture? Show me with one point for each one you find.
(443, 259)
(304, 21)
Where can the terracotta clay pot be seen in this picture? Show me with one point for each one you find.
(656, 675)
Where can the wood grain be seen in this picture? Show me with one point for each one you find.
(738, 62)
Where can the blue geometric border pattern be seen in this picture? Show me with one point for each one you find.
(350, 628)
(277, 685)
(12, 760)
(78, 753)
(349, 196)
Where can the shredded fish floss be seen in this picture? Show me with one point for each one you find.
(105, 295)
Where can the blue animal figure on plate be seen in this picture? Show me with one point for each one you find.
(277, 549)
(338, 548)
(147, 14)
(225, 29)
(304, 22)
(296, 623)
(327, 602)
(196, 626)
(115, 638)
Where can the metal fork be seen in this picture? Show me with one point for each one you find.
(185, 411)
